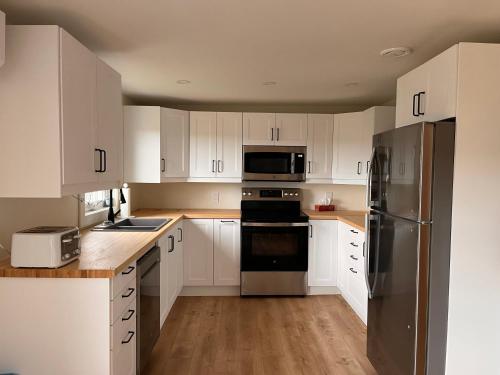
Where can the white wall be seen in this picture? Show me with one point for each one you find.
(202, 195)
(22, 213)
(474, 304)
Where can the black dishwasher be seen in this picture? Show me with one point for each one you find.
(148, 306)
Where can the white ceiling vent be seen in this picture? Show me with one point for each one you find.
(396, 52)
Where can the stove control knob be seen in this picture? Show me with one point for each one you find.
(66, 256)
(296, 194)
(244, 193)
(285, 194)
(249, 194)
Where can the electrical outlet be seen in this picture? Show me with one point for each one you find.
(214, 197)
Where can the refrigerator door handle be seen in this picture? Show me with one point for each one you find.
(369, 179)
(366, 251)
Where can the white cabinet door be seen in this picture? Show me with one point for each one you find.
(110, 122)
(198, 252)
(259, 128)
(78, 92)
(291, 129)
(323, 253)
(226, 252)
(351, 147)
(2, 38)
(179, 253)
(407, 100)
(319, 146)
(441, 93)
(173, 268)
(163, 243)
(174, 143)
(229, 144)
(203, 144)
(142, 134)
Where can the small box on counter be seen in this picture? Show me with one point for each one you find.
(324, 207)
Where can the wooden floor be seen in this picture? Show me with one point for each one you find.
(233, 335)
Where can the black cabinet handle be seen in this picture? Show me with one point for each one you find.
(310, 231)
(367, 167)
(353, 231)
(309, 166)
(353, 257)
(228, 221)
(360, 165)
(105, 161)
(277, 134)
(419, 102)
(129, 269)
(130, 315)
(352, 270)
(130, 291)
(181, 235)
(213, 166)
(129, 338)
(415, 112)
(172, 243)
(353, 244)
(163, 165)
(100, 160)
(220, 166)
(272, 134)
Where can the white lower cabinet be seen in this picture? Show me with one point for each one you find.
(226, 252)
(352, 269)
(323, 253)
(171, 269)
(212, 252)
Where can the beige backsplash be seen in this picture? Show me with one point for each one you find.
(203, 195)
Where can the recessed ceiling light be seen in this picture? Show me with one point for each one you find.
(351, 84)
(183, 81)
(396, 52)
(269, 83)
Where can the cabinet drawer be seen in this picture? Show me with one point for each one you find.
(123, 299)
(123, 350)
(119, 281)
(121, 328)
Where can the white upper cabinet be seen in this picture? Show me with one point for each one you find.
(319, 146)
(110, 122)
(73, 126)
(229, 144)
(352, 142)
(351, 147)
(156, 144)
(203, 144)
(429, 92)
(226, 252)
(323, 253)
(259, 128)
(280, 129)
(198, 252)
(291, 129)
(2, 38)
(216, 144)
(174, 143)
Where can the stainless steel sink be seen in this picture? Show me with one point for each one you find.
(133, 225)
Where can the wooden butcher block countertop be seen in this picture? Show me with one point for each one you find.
(353, 218)
(105, 254)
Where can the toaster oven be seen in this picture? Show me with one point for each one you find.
(45, 247)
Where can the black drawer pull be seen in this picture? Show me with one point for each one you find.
(130, 315)
(353, 231)
(353, 257)
(352, 270)
(353, 244)
(130, 291)
(129, 269)
(130, 335)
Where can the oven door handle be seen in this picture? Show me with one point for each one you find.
(275, 224)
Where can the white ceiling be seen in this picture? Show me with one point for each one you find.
(227, 48)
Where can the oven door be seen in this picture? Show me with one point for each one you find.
(273, 163)
(274, 246)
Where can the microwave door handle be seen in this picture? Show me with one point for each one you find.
(292, 163)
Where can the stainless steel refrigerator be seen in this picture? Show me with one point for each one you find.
(410, 187)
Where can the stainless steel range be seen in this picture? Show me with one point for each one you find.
(274, 242)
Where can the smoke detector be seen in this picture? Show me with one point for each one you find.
(396, 52)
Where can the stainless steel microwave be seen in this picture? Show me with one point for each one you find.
(274, 163)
